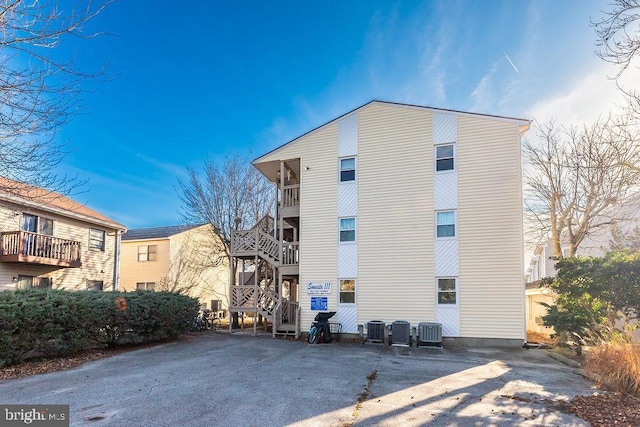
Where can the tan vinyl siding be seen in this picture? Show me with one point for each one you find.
(96, 264)
(318, 211)
(490, 229)
(186, 270)
(133, 271)
(395, 218)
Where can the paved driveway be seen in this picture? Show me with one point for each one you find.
(239, 380)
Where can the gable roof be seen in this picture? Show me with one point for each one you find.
(157, 232)
(29, 196)
(522, 122)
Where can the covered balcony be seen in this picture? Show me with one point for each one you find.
(39, 249)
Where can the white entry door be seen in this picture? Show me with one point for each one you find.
(347, 313)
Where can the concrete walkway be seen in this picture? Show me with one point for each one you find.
(240, 380)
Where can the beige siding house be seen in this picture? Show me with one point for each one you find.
(175, 258)
(48, 240)
(395, 212)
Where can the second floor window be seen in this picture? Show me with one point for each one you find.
(348, 169)
(37, 224)
(446, 224)
(347, 229)
(444, 158)
(96, 239)
(147, 253)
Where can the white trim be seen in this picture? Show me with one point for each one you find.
(457, 291)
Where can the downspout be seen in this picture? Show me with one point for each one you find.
(116, 263)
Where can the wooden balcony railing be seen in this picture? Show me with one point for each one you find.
(34, 248)
(290, 196)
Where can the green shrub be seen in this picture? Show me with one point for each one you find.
(45, 323)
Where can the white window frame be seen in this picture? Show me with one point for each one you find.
(145, 286)
(340, 170)
(102, 241)
(355, 233)
(355, 288)
(453, 157)
(146, 253)
(456, 291)
(39, 220)
(93, 284)
(455, 224)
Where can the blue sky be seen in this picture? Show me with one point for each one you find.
(197, 79)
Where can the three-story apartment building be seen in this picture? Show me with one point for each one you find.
(394, 212)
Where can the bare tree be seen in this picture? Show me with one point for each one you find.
(39, 87)
(190, 270)
(577, 178)
(618, 42)
(619, 34)
(231, 195)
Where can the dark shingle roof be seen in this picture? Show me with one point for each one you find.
(156, 232)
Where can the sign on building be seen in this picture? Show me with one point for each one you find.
(319, 288)
(319, 303)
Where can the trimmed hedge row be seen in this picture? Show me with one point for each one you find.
(41, 323)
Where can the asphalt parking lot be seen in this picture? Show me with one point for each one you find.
(240, 380)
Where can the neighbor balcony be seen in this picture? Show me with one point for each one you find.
(39, 249)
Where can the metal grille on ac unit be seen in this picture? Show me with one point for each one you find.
(375, 331)
(401, 333)
(429, 333)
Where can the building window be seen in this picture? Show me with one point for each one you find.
(96, 239)
(447, 294)
(95, 285)
(347, 229)
(446, 224)
(29, 282)
(444, 158)
(347, 291)
(36, 224)
(348, 169)
(146, 286)
(147, 253)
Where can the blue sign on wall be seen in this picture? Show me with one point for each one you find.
(319, 303)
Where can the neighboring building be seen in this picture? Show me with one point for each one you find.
(180, 258)
(394, 212)
(541, 266)
(51, 241)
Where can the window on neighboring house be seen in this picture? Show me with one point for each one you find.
(37, 224)
(347, 229)
(446, 224)
(146, 286)
(147, 253)
(444, 158)
(95, 285)
(348, 169)
(96, 239)
(28, 282)
(447, 291)
(347, 291)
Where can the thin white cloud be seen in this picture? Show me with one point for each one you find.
(483, 94)
(591, 96)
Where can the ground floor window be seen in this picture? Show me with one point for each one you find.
(146, 286)
(95, 285)
(28, 282)
(347, 291)
(447, 291)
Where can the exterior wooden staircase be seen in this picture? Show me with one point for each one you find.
(263, 295)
